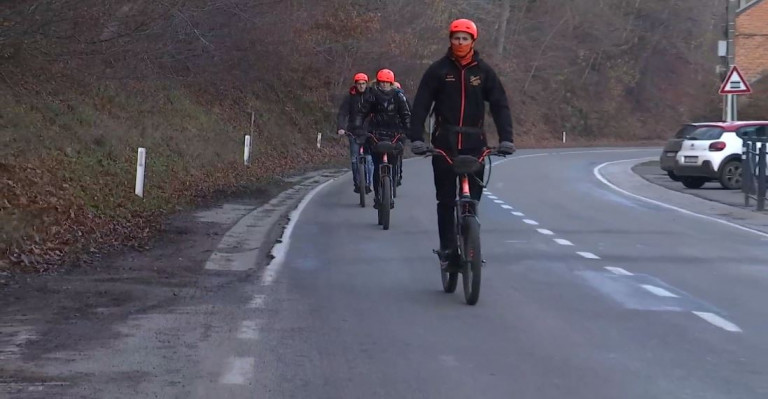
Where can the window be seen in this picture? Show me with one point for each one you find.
(753, 131)
(705, 133)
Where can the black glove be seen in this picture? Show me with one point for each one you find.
(506, 148)
(419, 148)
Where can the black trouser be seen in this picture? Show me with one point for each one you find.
(446, 194)
(378, 159)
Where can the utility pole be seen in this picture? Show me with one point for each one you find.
(731, 104)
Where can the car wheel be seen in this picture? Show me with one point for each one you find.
(730, 175)
(693, 182)
(673, 176)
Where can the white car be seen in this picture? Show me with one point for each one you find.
(713, 152)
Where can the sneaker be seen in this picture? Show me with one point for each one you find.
(357, 190)
(449, 260)
(375, 203)
(368, 189)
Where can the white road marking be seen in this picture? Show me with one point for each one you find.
(493, 197)
(619, 271)
(249, 329)
(531, 222)
(658, 291)
(562, 241)
(545, 232)
(498, 201)
(257, 302)
(596, 172)
(238, 370)
(505, 206)
(518, 213)
(281, 248)
(588, 255)
(718, 321)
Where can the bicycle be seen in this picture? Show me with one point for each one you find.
(387, 174)
(467, 226)
(360, 176)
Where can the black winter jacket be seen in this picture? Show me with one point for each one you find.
(459, 95)
(388, 112)
(346, 109)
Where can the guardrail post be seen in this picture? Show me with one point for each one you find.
(761, 179)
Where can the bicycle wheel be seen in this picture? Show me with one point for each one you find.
(450, 281)
(386, 200)
(473, 259)
(361, 180)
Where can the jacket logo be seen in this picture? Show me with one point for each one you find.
(475, 80)
(450, 78)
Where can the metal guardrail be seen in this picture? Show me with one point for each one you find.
(753, 169)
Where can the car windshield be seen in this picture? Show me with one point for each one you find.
(705, 133)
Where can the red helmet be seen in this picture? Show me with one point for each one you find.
(464, 25)
(385, 75)
(361, 76)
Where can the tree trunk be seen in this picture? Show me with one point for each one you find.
(502, 33)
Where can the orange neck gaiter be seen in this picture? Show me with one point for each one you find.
(463, 53)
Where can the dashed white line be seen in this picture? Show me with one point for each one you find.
(658, 291)
(238, 370)
(588, 255)
(498, 201)
(518, 213)
(257, 302)
(493, 197)
(718, 321)
(618, 270)
(248, 330)
(531, 222)
(545, 232)
(562, 241)
(505, 206)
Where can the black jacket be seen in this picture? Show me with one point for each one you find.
(459, 94)
(388, 111)
(346, 109)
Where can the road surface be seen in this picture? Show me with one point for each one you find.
(587, 293)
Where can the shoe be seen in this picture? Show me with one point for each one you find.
(399, 181)
(368, 189)
(375, 203)
(449, 260)
(357, 190)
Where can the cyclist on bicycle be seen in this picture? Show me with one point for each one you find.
(344, 126)
(389, 114)
(400, 158)
(458, 84)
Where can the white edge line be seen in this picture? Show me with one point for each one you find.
(718, 321)
(658, 291)
(562, 241)
(281, 248)
(588, 255)
(605, 181)
(618, 270)
(238, 370)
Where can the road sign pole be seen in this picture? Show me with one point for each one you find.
(729, 107)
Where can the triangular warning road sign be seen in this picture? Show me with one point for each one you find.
(735, 83)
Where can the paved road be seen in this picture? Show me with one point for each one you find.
(357, 312)
(588, 293)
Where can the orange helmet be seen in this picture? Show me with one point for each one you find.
(385, 75)
(397, 84)
(361, 76)
(464, 25)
